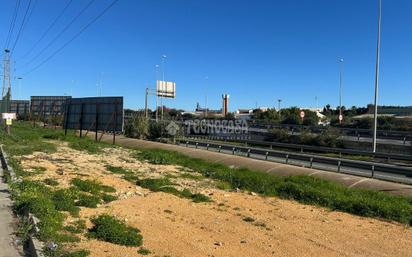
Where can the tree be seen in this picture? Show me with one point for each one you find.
(137, 127)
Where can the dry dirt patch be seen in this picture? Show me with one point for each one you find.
(234, 224)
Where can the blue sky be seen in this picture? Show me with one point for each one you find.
(256, 51)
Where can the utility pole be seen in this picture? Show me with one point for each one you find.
(6, 92)
(206, 78)
(279, 101)
(145, 102)
(375, 115)
(163, 78)
(157, 96)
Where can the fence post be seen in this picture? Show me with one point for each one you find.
(266, 155)
(207, 146)
(196, 145)
(373, 171)
(220, 147)
(311, 162)
(233, 151)
(301, 149)
(339, 164)
(287, 158)
(187, 143)
(248, 152)
(404, 140)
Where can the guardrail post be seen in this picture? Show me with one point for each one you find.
(271, 146)
(266, 155)
(187, 143)
(220, 147)
(404, 140)
(311, 162)
(207, 146)
(339, 164)
(358, 137)
(301, 149)
(197, 144)
(340, 154)
(233, 150)
(248, 152)
(287, 158)
(373, 171)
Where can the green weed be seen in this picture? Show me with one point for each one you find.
(108, 228)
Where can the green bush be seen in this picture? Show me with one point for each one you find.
(78, 253)
(91, 186)
(108, 228)
(90, 201)
(64, 200)
(166, 186)
(109, 198)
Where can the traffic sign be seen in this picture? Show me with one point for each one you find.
(302, 114)
(340, 117)
(6, 115)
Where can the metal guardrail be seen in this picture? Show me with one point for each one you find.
(311, 159)
(317, 149)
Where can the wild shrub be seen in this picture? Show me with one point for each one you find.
(108, 228)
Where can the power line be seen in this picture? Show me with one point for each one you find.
(21, 27)
(13, 22)
(73, 38)
(61, 32)
(49, 28)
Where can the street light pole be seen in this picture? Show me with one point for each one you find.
(163, 78)
(340, 89)
(375, 115)
(157, 98)
(206, 78)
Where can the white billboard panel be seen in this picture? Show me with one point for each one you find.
(166, 89)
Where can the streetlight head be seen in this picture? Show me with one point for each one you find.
(164, 56)
(341, 59)
(157, 65)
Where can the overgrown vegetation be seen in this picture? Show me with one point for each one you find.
(309, 190)
(108, 228)
(165, 185)
(127, 174)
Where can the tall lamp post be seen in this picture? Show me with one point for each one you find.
(163, 78)
(375, 115)
(157, 98)
(340, 88)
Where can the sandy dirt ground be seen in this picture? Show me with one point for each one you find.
(234, 224)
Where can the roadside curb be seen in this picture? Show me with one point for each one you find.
(35, 246)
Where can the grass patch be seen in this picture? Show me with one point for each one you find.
(50, 182)
(248, 219)
(76, 227)
(166, 186)
(78, 253)
(108, 228)
(144, 251)
(90, 201)
(191, 176)
(127, 174)
(109, 198)
(91, 186)
(305, 189)
(64, 200)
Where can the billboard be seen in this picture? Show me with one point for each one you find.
(165, 89)
(45, 106)
(94, 113)
(20, 107)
